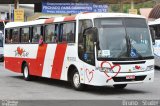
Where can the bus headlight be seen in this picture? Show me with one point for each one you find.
(149, 68)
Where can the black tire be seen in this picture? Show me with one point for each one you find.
(26, 74)
(2, 59)
(75, 81)
(120, 86)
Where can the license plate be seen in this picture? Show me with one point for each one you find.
(130, 77)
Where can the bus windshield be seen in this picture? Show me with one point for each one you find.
(121, 38)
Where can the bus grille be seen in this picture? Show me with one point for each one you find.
(123, 79)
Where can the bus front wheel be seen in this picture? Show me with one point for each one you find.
(120, 86)
(76, 81)
(26, 74)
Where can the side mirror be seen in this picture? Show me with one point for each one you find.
(153, 35)
(93, 31)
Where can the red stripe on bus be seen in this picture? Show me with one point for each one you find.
(69, 18)
(58, 61)
(40, 59)
(48, 21)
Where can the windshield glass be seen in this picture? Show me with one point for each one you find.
(123, 38)
(139, 37)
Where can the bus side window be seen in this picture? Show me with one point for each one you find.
(36, 34)
(10, 36)
(7, 36)
(15, 35)
(24, 35)
(50, 34)
(83, 24)
(67, 32)
(56, 32)
(64, 36)
(60, 33)
(158, 31)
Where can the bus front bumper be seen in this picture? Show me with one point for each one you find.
(101, 79)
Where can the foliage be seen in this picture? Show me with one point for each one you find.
(126, 7)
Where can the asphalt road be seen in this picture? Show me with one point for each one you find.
(13, 87)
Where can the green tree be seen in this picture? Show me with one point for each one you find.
(126, 7)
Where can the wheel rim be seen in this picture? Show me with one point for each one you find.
(76, 80)
(25, 72)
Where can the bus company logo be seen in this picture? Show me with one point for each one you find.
(137, 67)
(21, 52)
(71, 58)
(114, 68)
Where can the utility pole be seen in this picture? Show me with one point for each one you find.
(121, 6)
(10, 12)
(132, 4)
(16, 4)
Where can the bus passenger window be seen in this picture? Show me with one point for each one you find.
(36, 34)
(68, 32)
(51, 34)
(1, 39)
(15, 35)
(25, 35)
(7, 36)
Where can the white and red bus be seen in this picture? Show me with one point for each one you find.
(1, 46)
(155, 31)
(2, 24)
(96, 49)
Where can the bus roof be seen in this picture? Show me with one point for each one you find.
(70, 18)
(157, 21)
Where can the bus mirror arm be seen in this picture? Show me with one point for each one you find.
(95, 54)
(95, 37)
(153, 42)
(153, 35)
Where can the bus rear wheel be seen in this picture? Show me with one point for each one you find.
(75, 80)
(26, 74)
(120, 86)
